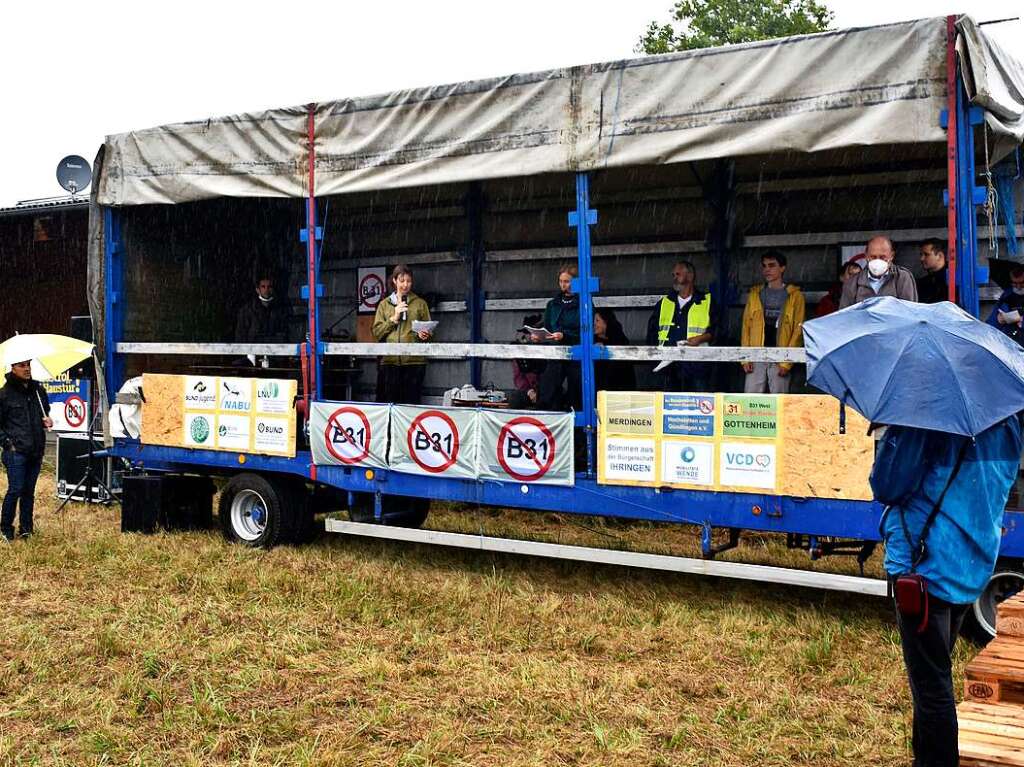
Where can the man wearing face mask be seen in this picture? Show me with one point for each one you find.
(881, 278)
(262, 319)
(1009, 310)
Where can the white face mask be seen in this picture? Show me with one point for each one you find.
(1018, 291)
(878, 267)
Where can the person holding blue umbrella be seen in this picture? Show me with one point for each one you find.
(950, 390)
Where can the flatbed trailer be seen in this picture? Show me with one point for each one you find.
(127, 180)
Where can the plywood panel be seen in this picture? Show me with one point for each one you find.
(163, 412)
(817, 461)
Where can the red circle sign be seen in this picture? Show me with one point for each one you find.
(433, 441)
(526, 448)
(74, 411)
(371, 290)
(347, 434)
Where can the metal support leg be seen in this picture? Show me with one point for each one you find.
(474, 256)
(586, 285)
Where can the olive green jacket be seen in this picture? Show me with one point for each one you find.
(388, 331)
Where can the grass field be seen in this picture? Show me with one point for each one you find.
(178, 649)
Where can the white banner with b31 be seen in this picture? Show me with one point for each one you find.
(349, 434)
(439, 441)
(526, 446)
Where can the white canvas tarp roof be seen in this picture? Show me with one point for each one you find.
(870, 86)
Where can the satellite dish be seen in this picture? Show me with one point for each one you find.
(74, 173)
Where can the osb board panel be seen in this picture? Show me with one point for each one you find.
(163, 412)
(817, 461)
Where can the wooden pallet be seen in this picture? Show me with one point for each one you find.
(996, 675)
(991, 717)
(991, 734)
(1010, 617)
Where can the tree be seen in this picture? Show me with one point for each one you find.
(707, 23)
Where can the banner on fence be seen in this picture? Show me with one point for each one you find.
(526, 447)
(780, 444)
(245, 415)
(433, 441)
(349, 434)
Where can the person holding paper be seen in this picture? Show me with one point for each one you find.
(1009, 310)
(398, 321)
(682, 317)
(562, 325)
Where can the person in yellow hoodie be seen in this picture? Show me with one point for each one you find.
(773, 316)
(401, 377)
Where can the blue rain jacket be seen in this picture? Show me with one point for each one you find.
(911, 468)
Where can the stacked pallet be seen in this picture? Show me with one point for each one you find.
(992, 714)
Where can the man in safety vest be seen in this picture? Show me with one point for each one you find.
(683, 316)
(773, 316)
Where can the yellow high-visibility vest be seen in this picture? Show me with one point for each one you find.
(698, 320)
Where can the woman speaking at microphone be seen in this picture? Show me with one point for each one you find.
(400, 377)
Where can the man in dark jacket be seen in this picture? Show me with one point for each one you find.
(262, 320)
(24, 418)
(934, 286)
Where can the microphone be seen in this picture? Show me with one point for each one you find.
(402, 316)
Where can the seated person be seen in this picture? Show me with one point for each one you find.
(526, 372)
(263, 319)
(1011, 300)
(562, 320)
(610, 375)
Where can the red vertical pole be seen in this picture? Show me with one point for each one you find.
(314, 331)
(951, 158)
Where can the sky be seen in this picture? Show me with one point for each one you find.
(73, 72)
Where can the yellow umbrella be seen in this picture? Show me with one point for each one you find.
(50, 354)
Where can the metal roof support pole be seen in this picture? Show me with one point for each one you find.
(114, 300)
(962, 196)
(474, 255)
(312, 290)
(585, 285)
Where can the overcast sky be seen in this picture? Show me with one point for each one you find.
(72, 72)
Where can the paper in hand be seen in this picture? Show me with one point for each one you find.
(1011, 317)
(536, 331)
(419, 326)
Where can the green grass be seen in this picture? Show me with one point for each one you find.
(178, 649)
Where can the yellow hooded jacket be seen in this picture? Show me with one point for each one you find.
(791, 323)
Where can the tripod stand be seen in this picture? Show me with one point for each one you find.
(89, 479)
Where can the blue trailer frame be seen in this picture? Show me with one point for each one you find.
(810, 517)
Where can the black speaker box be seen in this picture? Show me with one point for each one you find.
(167, 501)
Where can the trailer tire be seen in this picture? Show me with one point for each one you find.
(256, 511)
(980, 623)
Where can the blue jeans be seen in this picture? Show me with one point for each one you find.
(22, 473)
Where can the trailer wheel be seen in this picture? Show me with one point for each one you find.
(255, 511)
(1007, 580)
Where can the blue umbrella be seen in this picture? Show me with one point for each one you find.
(931, 366)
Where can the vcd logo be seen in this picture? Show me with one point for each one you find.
(748, 459)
